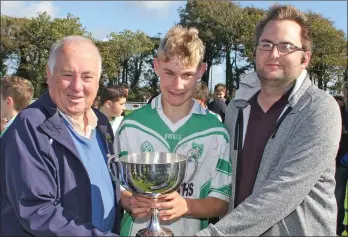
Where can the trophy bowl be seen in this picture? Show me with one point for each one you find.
(151, 174)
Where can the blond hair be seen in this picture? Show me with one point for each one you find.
(20, 89)
(286, 12)
(184, 44)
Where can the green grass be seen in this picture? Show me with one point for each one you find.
(345, 233)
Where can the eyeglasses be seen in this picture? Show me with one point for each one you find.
(283, 48)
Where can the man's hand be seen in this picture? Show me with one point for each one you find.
(141, 207)
(175, 205)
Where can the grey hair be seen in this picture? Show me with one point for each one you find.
(52, 58)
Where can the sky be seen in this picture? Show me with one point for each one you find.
(152, 17)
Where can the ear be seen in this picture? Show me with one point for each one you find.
(155, 65)
(9, 102)
(202, 70)
(108, 104)
(306, 57)
(48, 73)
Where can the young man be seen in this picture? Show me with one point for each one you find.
(54, 177)
(202, 96)
(112, 104)
(16, 94)
(285, 134)
(175, 122)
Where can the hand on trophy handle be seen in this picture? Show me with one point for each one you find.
(175, 206)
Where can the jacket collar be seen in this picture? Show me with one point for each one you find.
(55, 128)
(250, 85)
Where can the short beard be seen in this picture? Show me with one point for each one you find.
(277, 82)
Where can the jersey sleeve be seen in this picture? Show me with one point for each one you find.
(222, 177)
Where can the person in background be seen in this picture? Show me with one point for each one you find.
(219, 103)
(54, 176)
(285, 134)
(175, 123)
(113, 104)
(96, 102)
(220, 92)
(202, 96)
(16, 93)
(341, 175)
(152, 97)
(125, 86)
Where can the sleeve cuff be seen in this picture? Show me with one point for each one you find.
(219, 196)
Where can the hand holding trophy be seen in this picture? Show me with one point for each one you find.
(150, 175)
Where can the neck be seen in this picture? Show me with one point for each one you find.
(271, 93)
(11, 115)
(175, 113)
(105, 112)
(82, 120)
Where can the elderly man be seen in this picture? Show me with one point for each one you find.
(284, 138)
(54, 177)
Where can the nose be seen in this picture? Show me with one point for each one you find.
(178, 83)
(274, 53)
(76, 84)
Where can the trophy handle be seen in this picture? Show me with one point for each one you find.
(192, 156)
(114, 167)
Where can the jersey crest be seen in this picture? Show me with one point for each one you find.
(198, 148)
(146, 147)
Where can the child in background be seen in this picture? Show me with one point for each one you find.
(112, 104)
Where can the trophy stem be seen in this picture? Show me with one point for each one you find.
(154, 225)
(154, 228)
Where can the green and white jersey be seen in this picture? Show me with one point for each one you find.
(149, 130)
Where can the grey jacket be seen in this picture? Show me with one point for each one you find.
(293, 193)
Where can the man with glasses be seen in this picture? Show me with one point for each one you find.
(284, 138)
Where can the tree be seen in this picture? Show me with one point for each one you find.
(34, 40)
(329, 54)
(10, 29)
(193, 15)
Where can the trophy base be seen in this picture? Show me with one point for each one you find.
(147, 232)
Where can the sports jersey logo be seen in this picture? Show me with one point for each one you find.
(146, 147)
(198, 148)
(172, 136)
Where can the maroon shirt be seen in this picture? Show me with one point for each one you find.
(261, 125)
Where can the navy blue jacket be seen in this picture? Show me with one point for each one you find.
(45, 189)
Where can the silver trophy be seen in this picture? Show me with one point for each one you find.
(151, 174)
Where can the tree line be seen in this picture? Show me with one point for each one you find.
(226, 28)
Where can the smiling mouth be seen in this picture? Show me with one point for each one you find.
(176, 94)
(74, 97)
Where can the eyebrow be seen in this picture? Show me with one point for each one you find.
(281, 42)
(66, 70)
(87, 72)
